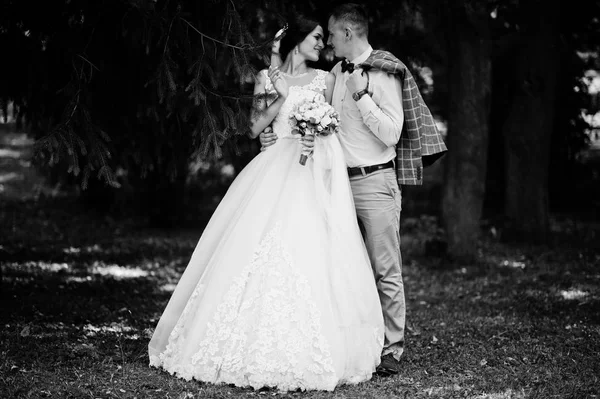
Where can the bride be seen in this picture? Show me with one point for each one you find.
(279, 291)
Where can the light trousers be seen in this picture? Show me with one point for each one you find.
(378, 201)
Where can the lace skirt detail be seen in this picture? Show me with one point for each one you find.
(275, 295)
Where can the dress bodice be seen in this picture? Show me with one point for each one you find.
(297, 93)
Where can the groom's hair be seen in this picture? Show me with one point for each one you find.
(355, 15)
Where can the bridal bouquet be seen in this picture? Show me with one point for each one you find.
(314, 117)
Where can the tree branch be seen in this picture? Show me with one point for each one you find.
(230, 97)
(244, 48)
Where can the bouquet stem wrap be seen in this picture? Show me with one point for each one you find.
(303, 159)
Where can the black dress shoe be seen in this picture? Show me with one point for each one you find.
(388, 366)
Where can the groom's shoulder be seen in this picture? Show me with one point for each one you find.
(385, 56)
(387, 62)
(383, 53)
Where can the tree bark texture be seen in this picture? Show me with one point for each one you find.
(528, 127)
(469, 75)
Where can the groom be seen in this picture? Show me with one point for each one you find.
(387, 134)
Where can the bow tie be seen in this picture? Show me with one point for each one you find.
(347, 66)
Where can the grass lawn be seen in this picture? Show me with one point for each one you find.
(80, 297)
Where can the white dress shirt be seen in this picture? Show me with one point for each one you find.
(370, 127)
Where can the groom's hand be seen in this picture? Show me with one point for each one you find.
(357, 81)
(267, 138)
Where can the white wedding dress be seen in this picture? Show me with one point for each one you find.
(279, 291)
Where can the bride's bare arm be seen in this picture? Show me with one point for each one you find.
(329, 82)
(261, 114)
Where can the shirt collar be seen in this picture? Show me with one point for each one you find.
(363, 57)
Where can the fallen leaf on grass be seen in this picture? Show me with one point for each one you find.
(413, 331)
(25, 331)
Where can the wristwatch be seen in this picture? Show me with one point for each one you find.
(358, 95)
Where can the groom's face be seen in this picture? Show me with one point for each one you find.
(337, 38)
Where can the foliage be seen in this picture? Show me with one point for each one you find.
(579, 36)
(133, 91)
(133, 86)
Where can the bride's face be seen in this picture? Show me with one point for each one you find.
(312, 45)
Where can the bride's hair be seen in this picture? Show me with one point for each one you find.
(298, 28)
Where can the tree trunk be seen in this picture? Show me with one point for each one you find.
(528, 128)
(469, 76)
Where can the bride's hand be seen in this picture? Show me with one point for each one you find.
(279, 83)
(275, 56)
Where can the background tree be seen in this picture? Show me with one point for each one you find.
(469, 82)
(572, 185)
(529, 123)
(537, 125)
(131, 91)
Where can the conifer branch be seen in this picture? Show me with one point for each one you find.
(168, 34)
(89, 62)
(227, 96)
(243, 48)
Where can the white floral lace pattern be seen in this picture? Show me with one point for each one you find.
(267, 332)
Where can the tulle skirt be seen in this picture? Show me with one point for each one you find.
(279, 291)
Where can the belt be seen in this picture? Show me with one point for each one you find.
(365, 170)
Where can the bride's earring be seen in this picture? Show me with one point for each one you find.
(296, 50)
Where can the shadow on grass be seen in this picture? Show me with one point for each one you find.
(81, 295)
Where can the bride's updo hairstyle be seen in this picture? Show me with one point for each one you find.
(298, 28)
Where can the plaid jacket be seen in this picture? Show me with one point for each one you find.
(420, 143)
